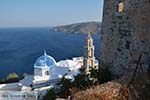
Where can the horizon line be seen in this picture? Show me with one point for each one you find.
(46, 26)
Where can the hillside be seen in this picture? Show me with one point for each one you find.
(77, 28)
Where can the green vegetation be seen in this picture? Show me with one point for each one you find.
(82, 81)
(64, 89)
(12, 77)
(50, 95)
(104, 73)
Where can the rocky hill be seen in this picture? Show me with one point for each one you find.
(77, 28)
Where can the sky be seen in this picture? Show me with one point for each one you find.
(45, 13)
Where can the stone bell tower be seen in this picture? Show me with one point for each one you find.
(89, 59)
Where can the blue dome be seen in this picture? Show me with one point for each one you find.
(45, 61)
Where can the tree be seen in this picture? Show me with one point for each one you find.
(93, 75)
(104, 73)
(64, 89)
(82, 81)
(50, 95)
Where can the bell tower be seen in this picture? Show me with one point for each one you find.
(89, 59)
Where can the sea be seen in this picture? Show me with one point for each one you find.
(20, 47)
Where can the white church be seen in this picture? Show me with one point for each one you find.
(48, 72)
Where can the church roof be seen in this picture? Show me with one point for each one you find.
(45, 61)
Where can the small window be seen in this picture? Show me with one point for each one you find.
(121, 7)
(47, 73)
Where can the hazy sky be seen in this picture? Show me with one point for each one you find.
(30, 13)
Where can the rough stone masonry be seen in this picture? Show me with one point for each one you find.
(125, 34)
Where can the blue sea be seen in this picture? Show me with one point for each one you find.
(20, 47)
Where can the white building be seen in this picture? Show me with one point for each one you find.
(47, 72)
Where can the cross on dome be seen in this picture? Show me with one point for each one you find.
(45, 52)
(45, 61)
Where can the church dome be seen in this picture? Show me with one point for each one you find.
(45, 61)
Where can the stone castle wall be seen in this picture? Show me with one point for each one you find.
(125, 35)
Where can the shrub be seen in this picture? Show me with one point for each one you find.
(82, 81)
(12, 77)
(107, 91)
(64, 89)
(101, 74)
(104, 73)
(50, 95)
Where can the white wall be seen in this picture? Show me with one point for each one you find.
(10, 87)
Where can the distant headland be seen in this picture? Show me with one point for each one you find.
(79, 28)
